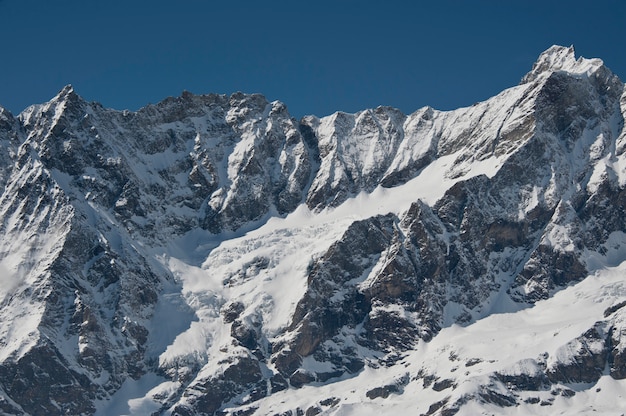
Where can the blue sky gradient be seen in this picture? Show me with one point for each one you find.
(317, 57)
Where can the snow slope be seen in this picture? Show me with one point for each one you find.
(212, 255)
(469, 357)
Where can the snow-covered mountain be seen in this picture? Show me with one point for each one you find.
(213, 255)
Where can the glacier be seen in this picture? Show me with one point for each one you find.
(210, 254)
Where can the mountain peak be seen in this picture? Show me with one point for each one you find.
(67, 94)
(209, 254)
(66, 91)
(560, 58)
(5, 114)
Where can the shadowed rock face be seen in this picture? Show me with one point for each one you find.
(43, 374)
(332, 301)
(242, 376)
(95, 202)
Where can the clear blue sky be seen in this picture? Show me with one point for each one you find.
(317, 57)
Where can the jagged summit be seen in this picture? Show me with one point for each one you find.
(561, 58)
(209, 254)
(68, 89)
(556, 58)
(5, 114)
(68, 96)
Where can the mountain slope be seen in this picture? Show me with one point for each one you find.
(211, 255)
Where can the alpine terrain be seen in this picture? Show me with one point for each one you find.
(212, 255)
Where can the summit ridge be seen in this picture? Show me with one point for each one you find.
(560, 58)
(211, 255)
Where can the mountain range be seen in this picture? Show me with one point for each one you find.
(212, 255)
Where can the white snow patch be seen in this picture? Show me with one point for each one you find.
(509, 343)
(134, 397)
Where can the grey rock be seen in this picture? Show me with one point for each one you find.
(91, 196)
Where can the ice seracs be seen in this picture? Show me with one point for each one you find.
(212, 255)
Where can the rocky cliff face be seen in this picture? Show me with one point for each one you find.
(212, 255)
